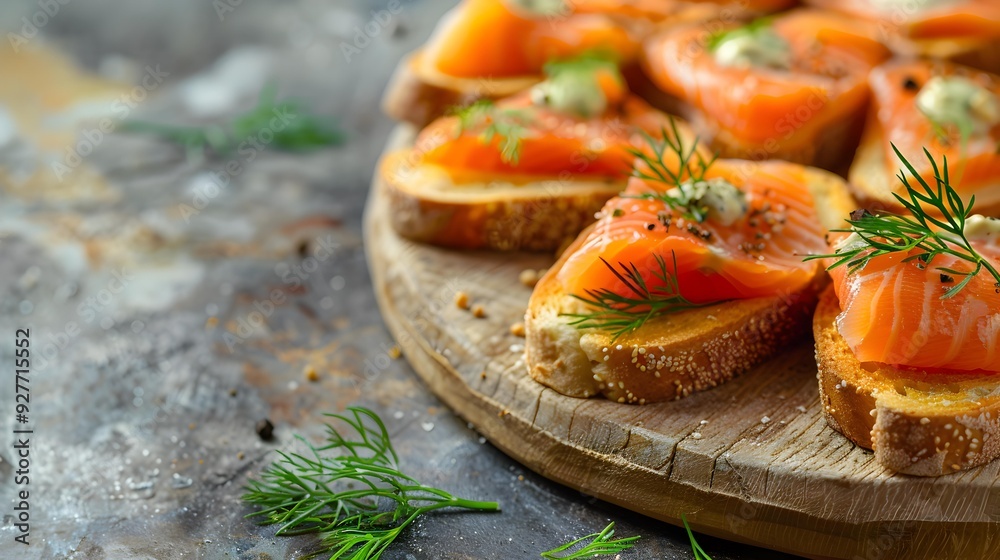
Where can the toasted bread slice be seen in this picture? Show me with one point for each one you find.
(540, 215)
(670, 357)
(418, 93)
(874, 183)
(918, 423)
(969, 51)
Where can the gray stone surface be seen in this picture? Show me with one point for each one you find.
(143, 407)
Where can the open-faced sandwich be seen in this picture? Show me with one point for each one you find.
(963, 31)
(951, 110)
(495, 48)
(791, 87)
(693, 275)
(527, 172)
(908, 336)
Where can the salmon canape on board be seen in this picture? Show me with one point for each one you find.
(495, 48)
(691, 276)
(962, 31)
(790, 87)
(527, 172)
(908, 335)
(951, 110)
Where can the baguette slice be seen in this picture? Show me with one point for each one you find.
(968, 51)
(874, 185)
(418, 93)
(427, 206)
(812, 114)
(873, 180)
(671, 356)
(917, 423)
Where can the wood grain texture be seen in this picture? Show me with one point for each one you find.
(752, 461)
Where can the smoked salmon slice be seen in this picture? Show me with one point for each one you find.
(917, 290)
(792, 87)
(750, 249)
(515, 38)
(951, 110)
(494, 38)
(529, 135)
(892, 312)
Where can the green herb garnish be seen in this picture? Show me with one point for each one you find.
(754, 27)
(887, 233)
(624, 314)
(699, 553)
(349, 491)
(288, 125)
(690, 170)
(509, 125)
(586, 63)
(601, 544)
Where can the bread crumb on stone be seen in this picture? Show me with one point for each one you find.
(517, 329)
(462, 300)
(478, 311)
(528, 277)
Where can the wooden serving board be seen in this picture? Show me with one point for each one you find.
(752, 461)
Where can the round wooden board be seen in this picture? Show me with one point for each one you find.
(752, 461)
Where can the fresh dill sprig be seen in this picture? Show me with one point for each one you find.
(752, 28)
(691, 168)
(585, 63)
(349, 491)
(623, 314)
(699, 553)
(299, 129)
(887, 233)
(601, 544)
(490, 121)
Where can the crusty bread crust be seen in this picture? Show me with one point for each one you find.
(918, 423)
(672, 356)
(874, 183)
(968, 51)
(533, 216)
(418, 94)
(669, 357)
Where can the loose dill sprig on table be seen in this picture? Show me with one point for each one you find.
(601, 544)
(691, 169)
(887, 233)
(509, 125)
(300, 129)
(622, 314)
(349, 491)
(699, 553)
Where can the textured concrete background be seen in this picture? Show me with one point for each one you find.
(150, 368)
